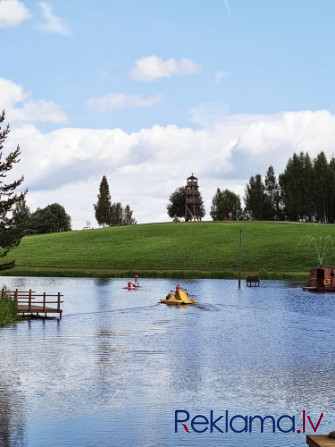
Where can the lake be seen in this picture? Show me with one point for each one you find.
(121, 369)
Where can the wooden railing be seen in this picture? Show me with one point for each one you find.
(29, 302)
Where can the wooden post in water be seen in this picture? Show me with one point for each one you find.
(29, 301)
(16, 297)
(58, 303)
(239, 259)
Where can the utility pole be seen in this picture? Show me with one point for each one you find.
(239, 259)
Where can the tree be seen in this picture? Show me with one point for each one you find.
(116, 214)
(332, 198)
(225, 204)
(272, 208)
(255, 197)
(176, 207)
(22, 215)
(51, 219)
(296, 187)
(323, 187)
(128, 218)
(103, 206)
(11, 231)
(110, 214)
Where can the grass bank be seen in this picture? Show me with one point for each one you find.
(176, 250)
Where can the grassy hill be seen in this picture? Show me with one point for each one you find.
(189, 250)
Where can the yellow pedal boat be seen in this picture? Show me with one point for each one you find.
(179, 297)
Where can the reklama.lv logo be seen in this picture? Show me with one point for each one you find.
(242, 423)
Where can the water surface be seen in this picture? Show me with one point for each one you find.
(119, 364)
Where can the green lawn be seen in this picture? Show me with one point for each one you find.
(204, 249)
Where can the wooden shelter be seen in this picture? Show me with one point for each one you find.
(193, 200)
(321, 280)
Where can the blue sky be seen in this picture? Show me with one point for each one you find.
(147, 92)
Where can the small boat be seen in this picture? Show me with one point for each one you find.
(321, 280)
(179, 297)
(131, 286)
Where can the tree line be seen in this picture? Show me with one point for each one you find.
(225, 205)
(51, 219)
(305, 191)
(110, 214)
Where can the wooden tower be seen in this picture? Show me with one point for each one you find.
(193, 201)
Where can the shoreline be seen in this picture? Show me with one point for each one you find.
(172, 274)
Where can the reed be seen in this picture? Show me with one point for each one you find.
(8, 311)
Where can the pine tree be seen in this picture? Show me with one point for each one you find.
(323, 177)
(296, 187)
(332, 198)
(128, 218)
(23, 215)
(255, 197)
(116, 214)
(11, 231)
(103, 206)
(272, 209)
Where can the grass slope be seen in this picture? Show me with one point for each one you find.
(204, 249)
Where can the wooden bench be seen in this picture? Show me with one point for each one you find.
(253, 281)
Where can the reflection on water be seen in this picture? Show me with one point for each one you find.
(12, 414)
(118, 365)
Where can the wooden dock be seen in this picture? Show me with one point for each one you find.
(319, 441)
(33, 304)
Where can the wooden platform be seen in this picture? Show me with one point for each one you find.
(319, 441)
(37, 310)
(33, 304)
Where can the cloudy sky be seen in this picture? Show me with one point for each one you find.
(148, 92)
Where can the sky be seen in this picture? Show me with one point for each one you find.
(147, 92)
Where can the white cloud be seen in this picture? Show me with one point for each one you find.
(52, 23)
(143, 168)
(10, 93)
(120, 101)
(151, 68)
(305, 131)
(39, 112)
(20, 107)
(12, 13)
